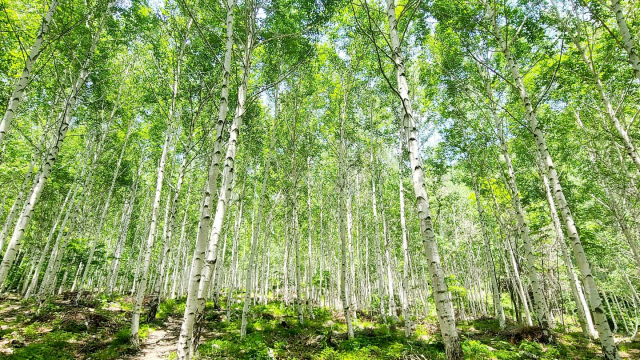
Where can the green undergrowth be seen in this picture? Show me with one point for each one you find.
(274, 332)
(100, 331)
(60, 329)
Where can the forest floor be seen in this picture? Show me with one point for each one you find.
(99, 329)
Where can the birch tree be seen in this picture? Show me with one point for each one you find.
(63, 121)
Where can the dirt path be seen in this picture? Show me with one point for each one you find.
(160, 342)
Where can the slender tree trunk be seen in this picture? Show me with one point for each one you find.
(406, 314)
(322, 293)
(376, 235)
(497, 302)
(539, 303)
(185, 347)
(624, 319)
(19, 200)
(342, 182)
(75, 278)
(296, 247)
(27, 275)
(117, 253)
(387, 257)
(604, 97)
(18, 92)
(609, 348)
(227, 176)
(170, 215)
(172, 205)
(351, 278)
(155, 284)
(613, 319)
(219, 277)
(256, 231)
(444, 306)
(64, 118)
(285, 263)
(611, 203)
(62, 233)
(309, 245)
(362, 297)
(105, 209)
(225, 190)
(233, 264)
(126, 211)
(182, 246)
(49, 281)
(627, 38)
(512, 260)
(148, 246)
(36, 273)
(584, 315)
(138, 260)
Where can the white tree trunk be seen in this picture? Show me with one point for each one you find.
(95, 239)
(342, 183)
(18, 203)
(627, 39)
(295, 228)
(185, 347)
(185, 341)
(444, 306)
(376, 236)
(144, 276)
(18, 92)
(604, 98)
(126, 213)
(609, 348)
(36, 273)
(256, 231)
(75, 279)
(584, 315)
(55, 261)
(351, 278)
(309, 245)
(406, 313)
(181, 250)
(64, 118)
(227, 174)
(516, 280)
(539, 301)
(497, 302)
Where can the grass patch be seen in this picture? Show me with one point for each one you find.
(62, 331)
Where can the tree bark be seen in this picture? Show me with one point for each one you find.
(256, 232)
(64, 118)
(627, 38)
(18, 92)
(604, 97)
(344, 297)
(584, 315)
(609, 348)
(444, 306)
(406, 314)
(148, 245)
(36, 273)
(539, 303)
(497, 302)
(185, 347)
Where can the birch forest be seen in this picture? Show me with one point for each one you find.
(319, 179)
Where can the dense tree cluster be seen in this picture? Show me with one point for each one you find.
(405, 159)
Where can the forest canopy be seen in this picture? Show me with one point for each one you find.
(382, 179)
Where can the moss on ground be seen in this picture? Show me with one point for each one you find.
(60, 329)
(98, 329)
